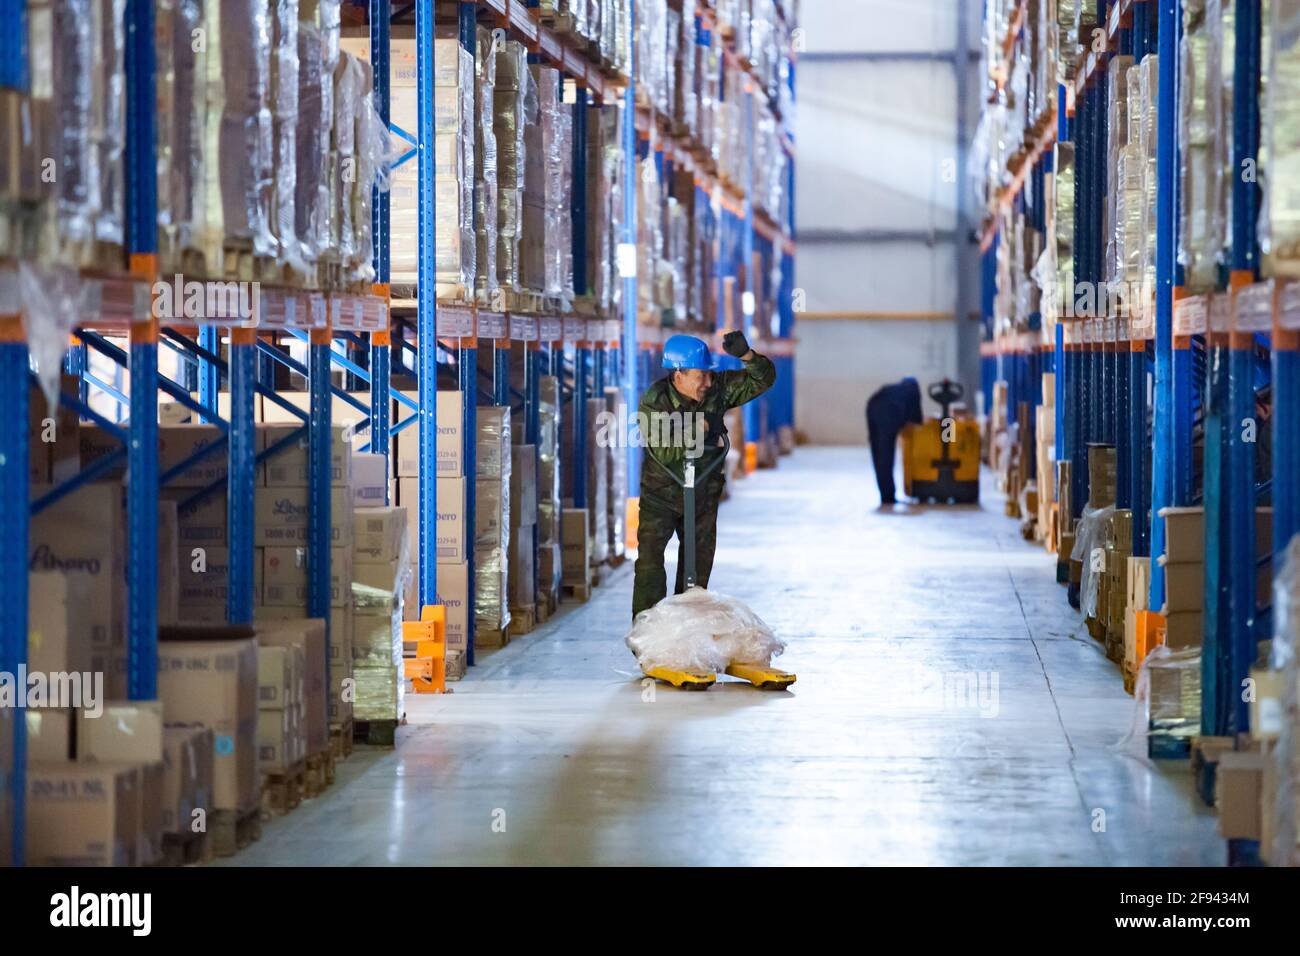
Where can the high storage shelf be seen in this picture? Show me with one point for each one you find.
(1209, 361)
(359, 333)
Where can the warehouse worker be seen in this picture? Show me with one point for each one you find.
(699, 395)
(892, 409)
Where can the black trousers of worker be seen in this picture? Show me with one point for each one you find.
(883, 438)
(655, 530)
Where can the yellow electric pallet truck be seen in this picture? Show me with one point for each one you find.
(762, 676)
(941, 456)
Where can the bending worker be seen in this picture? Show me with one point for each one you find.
(698, 396)
(889, 411)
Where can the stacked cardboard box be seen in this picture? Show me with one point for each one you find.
(304, 639)
(281, 717)
(492, 521)
(207, 678)
(512, 96)
(522, 572)
(616, 480)
(575, 543)
(598, 471)
(1184, 569)
(187, 782)
(548, 488)
(486, 283)
(377, 593)
(1045, 455)
(547, 245)
(131, 734)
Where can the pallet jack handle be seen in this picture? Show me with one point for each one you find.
(687, 483)
(945, 393)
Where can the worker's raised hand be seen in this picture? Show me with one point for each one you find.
(733, 343)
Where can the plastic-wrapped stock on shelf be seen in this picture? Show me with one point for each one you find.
(485, 165)
(1279, 227)
(181, 117)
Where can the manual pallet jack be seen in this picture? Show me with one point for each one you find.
(941, 456)
(762, 676)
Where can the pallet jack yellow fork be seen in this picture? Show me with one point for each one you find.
(682, 680)
(764, 678)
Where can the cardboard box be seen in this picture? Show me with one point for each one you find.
(522, 572)
(169, 585)
(279, 677)
(180, 443)
(1184, 587)
(285, 581)
(1183, 629)
(49, 735)
(1266, 711)
(205, 580)
(342, 692)
(491, 513)
(492, 442)
(126, 732)
(380, 535)
(375, 642)
(451, 460)
(1237, 794)
(281, 517)
(58, 626)
(83, 814)
(1184, 535)
(83, 536)
(451, 518)
(369, 480)
(276, 747)
(152, 813)
(453, 594)
(289, 468)
(207, 676)
(549, 567)
(1139, 583)
(201, 525)
(187, 776)
(523, 486)
(308, 634)
(575, 547)
(341, 628)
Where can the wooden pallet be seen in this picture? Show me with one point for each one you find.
(488, 638)
(522, 300)
(231, 831)
(341, 740)
(319, 774)
(570, 591)
(186, 849)
(283, 792)
(560, 22)
(453, 293)
(240, 263)
(522, 620)
(376, 733)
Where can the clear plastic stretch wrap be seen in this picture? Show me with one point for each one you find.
(454, 203)
(376, 638)
(485, 165)
(1148, 87)
(686, 106)
(597, 486)
(108, 119)
(1089, 537)
(373, 156)
(1117, 73)
(1166, 696)
(245, 161)
(349, 80)
(1224, 51)
(617, 495)
(66, 31)
(652, 52)
(316, 111)
(649, 238)
(1200, 188)
(515, 106)
(377, 644)
(701, 632)
(1285, 771)
(1279, 226)
(286, 89)
(182, 118)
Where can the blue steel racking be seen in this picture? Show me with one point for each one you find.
(1209, 357)
(586, 353)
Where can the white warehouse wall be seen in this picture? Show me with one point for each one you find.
(876, 204)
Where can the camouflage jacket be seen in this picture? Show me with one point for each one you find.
(729, 390)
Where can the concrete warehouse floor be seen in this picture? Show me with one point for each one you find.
(549, 753)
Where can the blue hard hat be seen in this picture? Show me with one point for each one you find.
(686, 351)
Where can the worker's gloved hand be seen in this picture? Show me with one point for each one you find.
(733, 343)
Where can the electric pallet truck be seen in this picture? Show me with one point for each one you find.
(762, 676)
(941, 456)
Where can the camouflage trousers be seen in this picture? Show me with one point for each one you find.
(655, 529)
